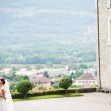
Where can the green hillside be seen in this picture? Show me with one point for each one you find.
(47, 32)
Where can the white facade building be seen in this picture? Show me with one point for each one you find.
(86, 80)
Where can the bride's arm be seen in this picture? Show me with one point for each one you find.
(3, 94)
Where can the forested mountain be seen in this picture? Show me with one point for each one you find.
(47, 32)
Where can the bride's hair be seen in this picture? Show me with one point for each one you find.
(3, 80)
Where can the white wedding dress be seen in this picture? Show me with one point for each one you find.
(6, 105)
(2, 101)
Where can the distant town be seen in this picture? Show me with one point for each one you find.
(48, 78)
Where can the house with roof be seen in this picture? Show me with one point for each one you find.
(54, 72)
(24, 71)
(45, 80)
(34, 79)
(40, 81)
(86, 79)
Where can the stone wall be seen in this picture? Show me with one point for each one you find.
(105, 70)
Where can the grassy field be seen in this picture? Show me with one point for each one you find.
(90, 63)
(40, 66)
(49, 96)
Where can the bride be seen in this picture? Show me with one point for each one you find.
(6, 103)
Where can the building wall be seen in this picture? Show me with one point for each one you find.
(85, 82)
(102, 45)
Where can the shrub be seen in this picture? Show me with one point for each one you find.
(65, 83)
(56, 86)
(31, 93)
(23, 87)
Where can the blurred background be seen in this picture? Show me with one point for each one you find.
(52, 37)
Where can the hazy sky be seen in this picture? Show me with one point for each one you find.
(43, 17)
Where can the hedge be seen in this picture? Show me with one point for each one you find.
(32, 94)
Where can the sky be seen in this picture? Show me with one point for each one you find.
(19, 18)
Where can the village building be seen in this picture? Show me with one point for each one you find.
(24, 72)
(54, 72)
(40, 81)
(5, 71)
(86, 80)
(92, 70)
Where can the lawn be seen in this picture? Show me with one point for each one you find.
(90, 63)
(49, 96)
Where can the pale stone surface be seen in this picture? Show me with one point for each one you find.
(105, 48)
(89, 102)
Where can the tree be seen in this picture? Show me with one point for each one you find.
(83, 66)
(16, 78)
(23, 87)
(72, 75)
(13, 87)
(25, 77)
(46, 74)
(79, 73)
(65, 83)
(73, 66)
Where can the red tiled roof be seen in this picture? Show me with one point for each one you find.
(44, 80)
(87, 76)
